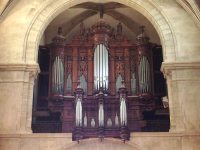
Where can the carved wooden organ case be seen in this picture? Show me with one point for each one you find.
(100, 82)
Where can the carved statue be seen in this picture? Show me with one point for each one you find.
(82, 29)
(119, 29)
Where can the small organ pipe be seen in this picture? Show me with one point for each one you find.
(147, 76)
(144, 75)
(101, 115)
(57, 66)
(123, 112)
(85, 120)
(56, 75)
(78, 112)
(53, 77)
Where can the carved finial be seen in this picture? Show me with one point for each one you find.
(82, 28)
(119, 29)
(142, 29)
(122, 84)
(142, 37)
(78, 84)
(59, 39)
(59, 30)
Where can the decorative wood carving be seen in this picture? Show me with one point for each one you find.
(78, 57)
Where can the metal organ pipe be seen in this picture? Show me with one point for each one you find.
(58, 72)
(61, 76)
(144, 75)
(101, 67)
(78, 112)
(123, 112)
(53, 77)
(57, 76)
(101, 115)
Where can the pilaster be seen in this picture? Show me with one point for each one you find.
(16, 97)
(183, 85)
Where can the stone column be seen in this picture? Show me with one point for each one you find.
(183, 93)
(16, 86)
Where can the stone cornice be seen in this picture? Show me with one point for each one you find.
(19, 67)
(33, 69)
(133, 135)
(168, 67)
(180, 65)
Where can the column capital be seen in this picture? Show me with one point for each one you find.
(31, 70)
(168, 67)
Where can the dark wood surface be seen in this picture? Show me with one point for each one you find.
(77, 56)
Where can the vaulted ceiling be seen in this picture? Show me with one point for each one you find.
(89, 13)
(114, 13)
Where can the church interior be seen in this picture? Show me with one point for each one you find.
(111, 75)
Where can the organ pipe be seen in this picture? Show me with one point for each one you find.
(78, 112)
(144, 70)
(57, 70)
(57, 76)
(101, 115)
(144, 75)
(85, 120)
(116, 120)
(123, 112)
(101, 67)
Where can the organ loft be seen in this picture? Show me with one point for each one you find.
(99, 84)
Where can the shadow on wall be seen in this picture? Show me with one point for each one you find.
(106, 144)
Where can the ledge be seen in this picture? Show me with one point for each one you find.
(69, 135)
(19, 67)
(180, 65)
(164, 134)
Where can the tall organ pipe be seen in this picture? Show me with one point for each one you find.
(101, 67)
(57, 76)
(78, 112)
(144, 75)
(144, 70)
(123, 112)
(57, 53)
(101, 115)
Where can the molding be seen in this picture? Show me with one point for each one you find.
(179, 65)
(191, 8)
(19, 67)
(133, 135)
(32, 69)
(164, 134)
(6, 9)
(38, 135)
(168, 67)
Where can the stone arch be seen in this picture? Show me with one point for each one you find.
(52, 8)
(107, 143)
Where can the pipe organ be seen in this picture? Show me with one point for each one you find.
(101, 67)
(100, 82)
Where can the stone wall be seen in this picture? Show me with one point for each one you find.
(139, 141)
